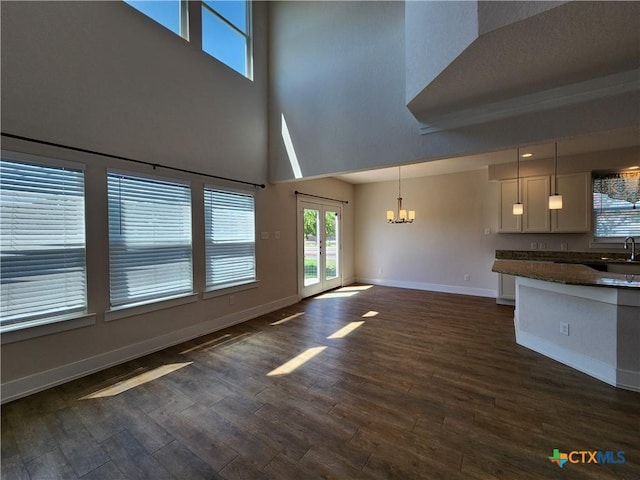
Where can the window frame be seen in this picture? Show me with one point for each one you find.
(248, 35)
(35, 326)
(131, 308)
(602, 240)
(213, 290)
(188, 29)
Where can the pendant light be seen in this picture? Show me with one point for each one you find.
(555, 200)
(401, 216)
(517, 207)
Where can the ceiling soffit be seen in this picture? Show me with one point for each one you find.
(576, 52)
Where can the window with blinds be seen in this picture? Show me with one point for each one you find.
(42, 242)
(614, 205)
(230, 238)
(149, 240)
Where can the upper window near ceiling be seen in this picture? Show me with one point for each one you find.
(172, 14)
(226, 33)
(226, 27)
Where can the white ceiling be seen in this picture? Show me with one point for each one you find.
(573, 146)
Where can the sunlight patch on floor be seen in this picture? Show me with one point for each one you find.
(370, 313)
(296, 362)
(344, 331)
(141, 379)
(204, 345)
(290, 317)
(336, 294)
(354, 288)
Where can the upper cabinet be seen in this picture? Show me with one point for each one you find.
(535, 197)
(575, 215)
(507, 221)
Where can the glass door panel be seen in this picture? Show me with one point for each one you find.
(331, 235)
(311, 249)
(319, 247)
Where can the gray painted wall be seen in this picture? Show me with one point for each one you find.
(102, 76)
(337, 74)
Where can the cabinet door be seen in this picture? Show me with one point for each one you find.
(536, 216)
(507, 287)
(575, 215)
(507, 221)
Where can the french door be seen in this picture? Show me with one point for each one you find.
(319, 247)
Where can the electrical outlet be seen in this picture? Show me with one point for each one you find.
(232, 299)
(542, 245)
(564, 246)
(564, 328)
(276, 234)
(264, 235)
(467, 277)
(534, 246)
(487, 231)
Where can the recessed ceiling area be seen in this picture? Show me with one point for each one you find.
(623, 138)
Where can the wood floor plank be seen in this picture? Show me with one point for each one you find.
(433, 386)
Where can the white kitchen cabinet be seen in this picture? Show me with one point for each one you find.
(536, 216)
(506, 289)
(507, 221)
(575, 215)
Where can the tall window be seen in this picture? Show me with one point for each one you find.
(172, 14)
(615, 199)
(226, 33)
(149, 239)
(230, 238)
(225, 27)
(42, 242)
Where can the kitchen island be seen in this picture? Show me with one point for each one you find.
(584, 318)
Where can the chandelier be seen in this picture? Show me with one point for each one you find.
(401, 215)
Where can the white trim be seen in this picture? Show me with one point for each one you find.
(595, 368)
(219, 292)
(432, 287)
(627, 379)
(41, 160)
(125, 311)
(24, 386)
(47, 326)
(553, 98)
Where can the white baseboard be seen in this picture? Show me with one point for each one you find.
(431, 287)
(628, 379)
(22, 387)
(592, 367)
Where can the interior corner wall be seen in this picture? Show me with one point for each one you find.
(102, 76)
(452, 27)
(337, 78)
(446, 242)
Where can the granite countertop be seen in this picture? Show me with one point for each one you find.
(567, 273)
(595, 258)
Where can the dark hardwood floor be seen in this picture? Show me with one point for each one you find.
(432, 386)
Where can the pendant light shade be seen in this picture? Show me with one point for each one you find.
(518, 208)
(555, 200)
(402, 215)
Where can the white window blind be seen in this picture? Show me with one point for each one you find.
(230, 238)
(149, 239)
(614, 205)
(42, 242)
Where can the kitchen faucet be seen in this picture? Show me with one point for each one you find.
(633, 247)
